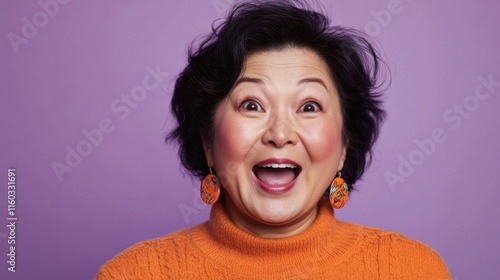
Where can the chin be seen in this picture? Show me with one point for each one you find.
(277, 211)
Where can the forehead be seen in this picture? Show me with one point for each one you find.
(299, 61)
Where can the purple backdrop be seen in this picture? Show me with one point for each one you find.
(85, 93)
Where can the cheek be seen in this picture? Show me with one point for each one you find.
(324, 143)
(232, 142)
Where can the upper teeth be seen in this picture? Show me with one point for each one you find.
(277, 165)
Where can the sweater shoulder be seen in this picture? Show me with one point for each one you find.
(404, 257)
(412, 256)
(156, 257)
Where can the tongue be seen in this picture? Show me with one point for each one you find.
(275, 176)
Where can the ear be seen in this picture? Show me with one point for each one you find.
(342, 157)
(207, 146)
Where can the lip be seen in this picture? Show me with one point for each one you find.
(277, 189)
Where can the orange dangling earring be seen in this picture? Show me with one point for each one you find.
(339, 192)
(210, 188)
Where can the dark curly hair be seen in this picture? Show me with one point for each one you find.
(251, 27)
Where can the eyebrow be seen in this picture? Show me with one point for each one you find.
(248, 80)
(260, 82)
(313, 80)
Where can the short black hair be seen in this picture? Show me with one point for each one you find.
(214, 66)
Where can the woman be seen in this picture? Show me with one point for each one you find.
(277, 114)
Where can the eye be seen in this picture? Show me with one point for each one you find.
(251, 105)
(310, 106)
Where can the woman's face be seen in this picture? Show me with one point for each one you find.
(277, 141)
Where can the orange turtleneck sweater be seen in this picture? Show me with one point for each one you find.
(328, 249)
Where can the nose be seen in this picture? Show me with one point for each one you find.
(280, 132)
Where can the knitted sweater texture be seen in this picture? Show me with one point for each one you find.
(328, 249)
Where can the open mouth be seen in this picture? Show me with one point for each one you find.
(276, 174)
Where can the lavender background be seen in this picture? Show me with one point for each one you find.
(70, 73)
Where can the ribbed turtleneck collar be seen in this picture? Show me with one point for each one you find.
(325, 241)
